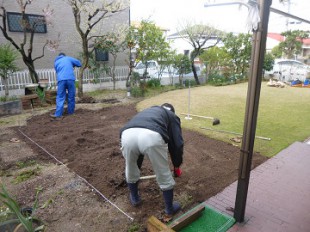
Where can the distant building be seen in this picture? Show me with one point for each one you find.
(273, 39)
(182, 46)
(63, 25)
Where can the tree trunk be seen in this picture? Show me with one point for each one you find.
(181, 79)
(84, 64)
(6, 87)
(113, 71)
(195, 73)
(33, 74)
(128, 77)
(80, 79)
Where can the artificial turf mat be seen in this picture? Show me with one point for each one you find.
(210, 221)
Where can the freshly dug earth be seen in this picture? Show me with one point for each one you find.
(82, 171)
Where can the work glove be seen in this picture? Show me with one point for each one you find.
(177, 172)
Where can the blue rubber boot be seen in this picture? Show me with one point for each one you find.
(171, 207)
(134, 197)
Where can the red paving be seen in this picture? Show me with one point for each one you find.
(278, 195)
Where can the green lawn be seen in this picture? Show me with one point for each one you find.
(284, 113)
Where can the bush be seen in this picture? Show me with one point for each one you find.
(137, 91)
(178, 86)
(41, 93)
(236, 78)
(5, 99)
(153, 83)
(191, 82)
(217, 79)
(8, 57)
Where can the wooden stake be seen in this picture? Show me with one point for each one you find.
(187, 219)
(155, 225)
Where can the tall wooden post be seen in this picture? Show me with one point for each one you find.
(254, 87)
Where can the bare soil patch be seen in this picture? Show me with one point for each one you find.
(82, 170)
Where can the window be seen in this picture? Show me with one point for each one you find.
(35, 22)
(101, 55)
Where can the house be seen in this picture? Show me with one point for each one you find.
(61, 29)
(273, 39)
(182, 46)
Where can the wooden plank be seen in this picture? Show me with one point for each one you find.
(154, 225)
(187, 219)
(30, 96)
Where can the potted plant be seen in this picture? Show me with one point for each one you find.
(7, 65)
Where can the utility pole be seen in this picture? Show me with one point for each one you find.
(288, 11)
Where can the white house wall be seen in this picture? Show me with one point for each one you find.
(271, 43)
(180, 45)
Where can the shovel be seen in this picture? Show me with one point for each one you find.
(216, 121)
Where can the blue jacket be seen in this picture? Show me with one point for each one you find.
(167, 124)
(64, 67)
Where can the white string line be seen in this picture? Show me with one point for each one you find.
(89, 184)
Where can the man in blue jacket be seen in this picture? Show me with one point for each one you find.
(153, 133)
(64, 66)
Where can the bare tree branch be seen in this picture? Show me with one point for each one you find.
(28, 29)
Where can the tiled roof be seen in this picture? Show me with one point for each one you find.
(280, 38)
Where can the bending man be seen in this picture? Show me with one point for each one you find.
(153, 133)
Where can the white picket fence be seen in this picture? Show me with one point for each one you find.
(18, 80)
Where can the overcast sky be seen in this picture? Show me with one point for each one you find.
(171, 14)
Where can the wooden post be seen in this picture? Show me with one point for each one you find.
(254, 86)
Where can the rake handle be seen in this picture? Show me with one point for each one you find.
(147, 177)
(198, 116)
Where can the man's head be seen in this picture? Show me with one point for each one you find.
(61, 54)
(168, 106)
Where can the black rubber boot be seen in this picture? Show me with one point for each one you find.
(171, 207)
(135, 199)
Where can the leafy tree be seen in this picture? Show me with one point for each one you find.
(25, 46)
(87, 17)
(95, 67)
(216, 60)
(276, 52)
(114, 43)
(233, 57)
(7, 64)
(292, 45)
(183, 64)
(166, 63)
(268, 62)
(200, 37)
(149, 43)
(239, 48)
